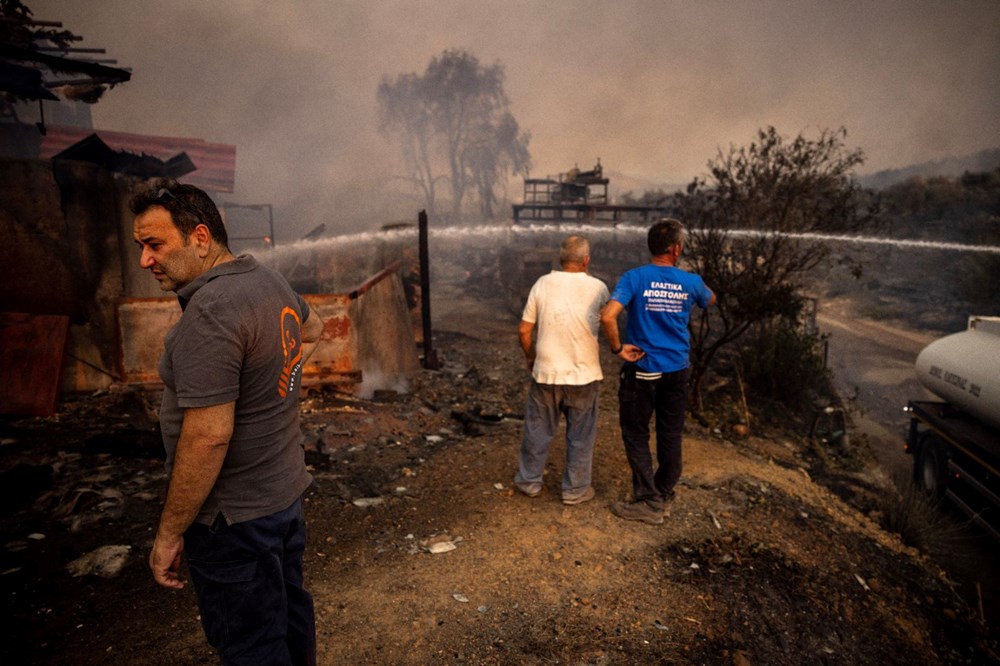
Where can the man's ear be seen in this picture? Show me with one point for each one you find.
(202, 237)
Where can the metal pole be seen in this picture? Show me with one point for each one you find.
(430, 357)
(270, 222)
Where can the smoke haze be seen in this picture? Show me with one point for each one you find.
(653, 88)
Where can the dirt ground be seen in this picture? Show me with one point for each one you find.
(757, 562)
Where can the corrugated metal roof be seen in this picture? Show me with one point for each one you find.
(215, 162)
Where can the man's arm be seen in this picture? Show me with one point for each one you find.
(201, 449)
(609, 325)
(524, 330)
(312, 329)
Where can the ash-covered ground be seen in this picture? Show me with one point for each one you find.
(420, 552)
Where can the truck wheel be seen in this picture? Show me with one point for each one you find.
(932, 467)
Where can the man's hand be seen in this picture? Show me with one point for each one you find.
(524, 329)
(313, 330)
(631, 353)
(165, 561)
(201, 450)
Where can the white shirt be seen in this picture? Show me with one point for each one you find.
(566, 308)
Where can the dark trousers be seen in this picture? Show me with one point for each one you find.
(248, 577)
(638, 400)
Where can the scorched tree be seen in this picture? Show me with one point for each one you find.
(453, 123)
(750, 221)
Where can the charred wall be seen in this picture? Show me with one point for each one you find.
(62, 222)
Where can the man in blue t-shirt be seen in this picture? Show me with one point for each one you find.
(658, 298)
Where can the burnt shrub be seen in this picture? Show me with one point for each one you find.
(784, 363)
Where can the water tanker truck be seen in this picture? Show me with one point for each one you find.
(955, 441)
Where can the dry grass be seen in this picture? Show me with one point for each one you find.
(921, 521)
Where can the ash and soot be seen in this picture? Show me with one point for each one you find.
(774, 551)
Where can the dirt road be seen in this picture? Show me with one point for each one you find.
(872, 363)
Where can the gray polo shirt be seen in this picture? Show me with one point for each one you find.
(239, 339)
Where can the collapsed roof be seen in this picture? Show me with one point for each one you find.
(23, 74)
(210, 166)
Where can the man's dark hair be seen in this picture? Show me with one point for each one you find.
(188, 206)
(664, 234)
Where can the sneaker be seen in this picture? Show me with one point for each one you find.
(585, 496)
(667, 499)
(662, 503)
(531, 490)
(637, 511)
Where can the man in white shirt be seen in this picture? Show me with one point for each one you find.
(565, 369)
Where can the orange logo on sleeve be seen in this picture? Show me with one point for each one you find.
(291, 333)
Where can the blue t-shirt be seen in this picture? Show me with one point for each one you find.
(659, 300)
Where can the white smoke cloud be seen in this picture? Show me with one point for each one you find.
(653, 88)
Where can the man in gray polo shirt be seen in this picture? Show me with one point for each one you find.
(231, 369)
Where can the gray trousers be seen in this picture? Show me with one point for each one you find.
(545, 406)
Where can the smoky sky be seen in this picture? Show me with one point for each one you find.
(652, 88)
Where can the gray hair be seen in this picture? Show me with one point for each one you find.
(665, 234)
(574, 249)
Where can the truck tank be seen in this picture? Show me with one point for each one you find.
(964, 369)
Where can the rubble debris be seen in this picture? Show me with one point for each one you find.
(385, 395)
(317, 458)
(473, 419)
(441, 543)
(105, 562)
(16, 546)
(81, 500)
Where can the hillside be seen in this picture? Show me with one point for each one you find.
(953, 167)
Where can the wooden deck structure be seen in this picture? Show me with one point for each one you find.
(577, 196)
